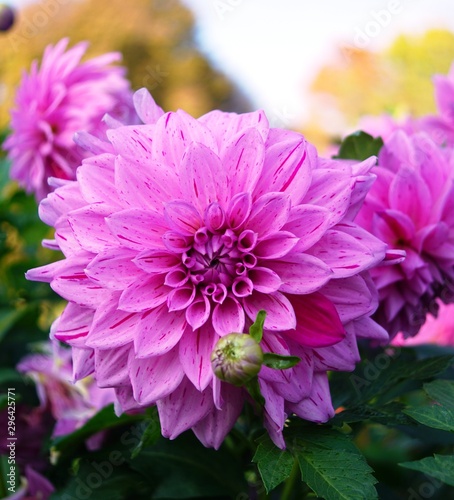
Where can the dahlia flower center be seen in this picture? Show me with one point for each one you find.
(221, 263)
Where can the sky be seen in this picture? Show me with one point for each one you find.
(273, 49)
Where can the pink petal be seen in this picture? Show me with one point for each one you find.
(198, 312)
(352, 297)
(155, 378)
(144, 294)
(318, 323)
(342, 356)
(112, 327)
(83, 362)
(301, 273)
(156, 261)
(309, 223)
(286, 169)
(138, 229)
(183, 408)
(76, 287)
(344, 254)
(96, 179)
(230, 126)
(275, 245)
(238, 210)
(243, 160)
(114, 268)
(146, 185)
(211, 431)
(182, 217)
(133, 142)
(203, 178)
(317, 407)
(147, 109)
(74, 323)
(264, 280)
(269, 213)
(160, 330)
(279, 311)
(90, 229)
(112, 366)
(409, 194)
(228, 317)
(195, 351)
(181, 298)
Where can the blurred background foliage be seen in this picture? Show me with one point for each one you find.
(155, 38)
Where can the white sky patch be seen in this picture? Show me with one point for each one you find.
(274, 48)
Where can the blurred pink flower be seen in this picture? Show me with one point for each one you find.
(437, 329)
(53, 102)
(411, 207)
(35, 487)
(177, 232)
(441, 126)
(385, 125)
(71, 404)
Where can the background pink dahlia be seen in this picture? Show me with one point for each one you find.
(178, 233)
(411, 208)
(55, 100)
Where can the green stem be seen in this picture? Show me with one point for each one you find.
(289, 485)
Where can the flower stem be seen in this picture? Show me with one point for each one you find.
(289, 485)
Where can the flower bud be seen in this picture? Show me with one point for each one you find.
(6, 17)
(236, 358)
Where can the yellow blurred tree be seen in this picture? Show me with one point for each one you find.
(154, 36)
(398, 81)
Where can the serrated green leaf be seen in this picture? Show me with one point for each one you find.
(390, 414)
(438, 466)
(274, 464)
(279, 362)
(433, 415)
(332, 466)
(359, 146)
(441, 391)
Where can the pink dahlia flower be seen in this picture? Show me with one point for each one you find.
(61, 97)
(437, 329)
(71, 404)
(411, 207)
(441, 126)
(177, 232)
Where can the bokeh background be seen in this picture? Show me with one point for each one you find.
(313, 66)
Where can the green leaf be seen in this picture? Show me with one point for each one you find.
(104, 478)
(359, 146)
(279, 362)
(103, 420)
(390, 414)
(433, 415)
(256, 329)
(8, 317)
(184, 468)
(331, 465)
(253, 387)
(438, 466)
(274, 464)
(441, 391)
(150, 435)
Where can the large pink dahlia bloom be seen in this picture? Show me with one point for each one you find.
(177, 232)
(61, 97)
(411, 207)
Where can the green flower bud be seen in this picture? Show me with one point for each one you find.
(236, 358)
